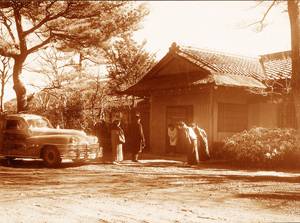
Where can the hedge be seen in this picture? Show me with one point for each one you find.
(264, 147)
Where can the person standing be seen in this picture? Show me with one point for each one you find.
(172, 133)
(190, 143)
(137, 138)
(181, 147)
(202, 143)
(117, 139)
(100, 131)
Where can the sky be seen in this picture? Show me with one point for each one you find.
(213, 25)
(210, 25)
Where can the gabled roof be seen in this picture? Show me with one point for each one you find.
(225, 63)
(277, 65)
(183, 67)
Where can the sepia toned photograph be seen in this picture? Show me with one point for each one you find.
(149, 111)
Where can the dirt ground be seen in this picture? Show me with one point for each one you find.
(157, 189)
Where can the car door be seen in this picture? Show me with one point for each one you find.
(15, 137)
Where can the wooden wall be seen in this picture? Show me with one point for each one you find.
(205, 104)
(199, 99)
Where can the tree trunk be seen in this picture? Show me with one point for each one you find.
(2, 94)
(293, 11)
(19, 86)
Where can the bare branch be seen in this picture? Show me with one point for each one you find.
(7, 23)
(257, 3)
(260, 22)
(39, 46)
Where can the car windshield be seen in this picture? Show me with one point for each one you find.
(39, 123)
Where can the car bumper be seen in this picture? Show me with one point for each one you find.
(80, 151)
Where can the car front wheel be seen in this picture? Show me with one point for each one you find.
(51, 157)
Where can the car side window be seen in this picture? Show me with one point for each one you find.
(11, 124)
(15, 125)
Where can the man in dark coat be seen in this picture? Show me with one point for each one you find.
(100, 132)
(137, 138)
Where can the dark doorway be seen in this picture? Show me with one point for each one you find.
(175, 114)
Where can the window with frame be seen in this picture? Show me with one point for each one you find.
(15, 125)
(179, 113)
(286, 116)
(232, 117)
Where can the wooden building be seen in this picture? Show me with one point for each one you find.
(222, 93)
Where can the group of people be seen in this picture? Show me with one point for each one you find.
(190, 139)
(117, 139)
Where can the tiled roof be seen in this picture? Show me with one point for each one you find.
(223, 69)
(225, 63)
(277, 65)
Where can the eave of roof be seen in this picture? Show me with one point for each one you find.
(217, 79)
(222, 70)
(232, 80)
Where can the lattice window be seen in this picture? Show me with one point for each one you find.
(232, 117)
(179, 113)
(286, 116)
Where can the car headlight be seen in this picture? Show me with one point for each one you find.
(73, 140)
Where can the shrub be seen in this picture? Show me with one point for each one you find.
(264, 147)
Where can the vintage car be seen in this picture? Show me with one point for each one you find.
(32, 136)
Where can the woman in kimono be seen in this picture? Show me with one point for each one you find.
(172, 133)
(117, 139)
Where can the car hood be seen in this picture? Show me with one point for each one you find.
(47, 131)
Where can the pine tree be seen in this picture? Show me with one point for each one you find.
(28, 26)
(128, 62)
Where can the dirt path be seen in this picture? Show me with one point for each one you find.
(157, 189)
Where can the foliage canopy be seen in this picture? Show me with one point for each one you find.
(28, 26)
(127, 62)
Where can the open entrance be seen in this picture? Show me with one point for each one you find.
(175, 114)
